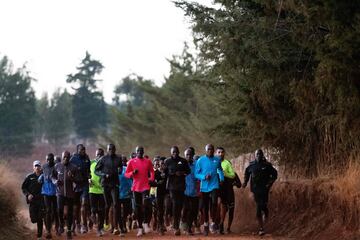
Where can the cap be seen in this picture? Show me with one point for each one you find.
(36, 162)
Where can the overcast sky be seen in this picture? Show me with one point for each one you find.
(127, 36)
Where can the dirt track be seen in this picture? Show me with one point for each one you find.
(132, 235)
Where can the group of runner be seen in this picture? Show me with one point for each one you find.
(117, 195)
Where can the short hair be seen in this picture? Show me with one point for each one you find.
(220, 148)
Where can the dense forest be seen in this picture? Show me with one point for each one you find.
(281, 75)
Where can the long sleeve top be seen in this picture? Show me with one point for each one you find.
(145, 173)
(173, 165)
(209, 166)
(261, 175)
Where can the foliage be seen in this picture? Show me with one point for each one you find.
(89, 107)
(59, 121)
(177, 113)
(290, 76)
(17, 109)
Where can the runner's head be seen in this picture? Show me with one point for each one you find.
(220, 152)
(139, 151)
(132, 155)
(174, 151)
(209, 149)
(192, 150)
(80, 149)
(156, 162)
(57, 159)
(111, 149)
(99, 153)
(189, 155)
(259, 155)
(37, 167)
(124, 160)
(50, 159)
(66, 157)
(161, 164)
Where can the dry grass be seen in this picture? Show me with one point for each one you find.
(11, 224)
(322, 208)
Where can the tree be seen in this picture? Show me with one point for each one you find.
(89, 107)
(290, 76)
(17, 109)
(59, 121)
(42, 107)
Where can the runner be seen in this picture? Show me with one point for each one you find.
(96, 194)
(177, 168)
(262, 175)
(64, 176)
(48, 190)
(139, 169)
(227, 195)
(125, 194)
(108, 168)
(81, 201)
(208, 171)
(191, 203)
(31, 188)
(160, 179)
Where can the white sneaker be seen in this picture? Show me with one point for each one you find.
(140, 232)
(197, 230)
(146, 227)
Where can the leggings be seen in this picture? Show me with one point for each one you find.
(210, 202)
(111, 195)
(97, 203)
(191, 209)
(142, 206)
(61, 202)
(51, 212)
(177, 198)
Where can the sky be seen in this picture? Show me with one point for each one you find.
(128, 36)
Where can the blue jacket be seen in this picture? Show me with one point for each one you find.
(48, 187)
(191, 182)
(125, 185)
(204, 166)
(83, 168)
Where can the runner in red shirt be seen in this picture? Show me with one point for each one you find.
(141, 170)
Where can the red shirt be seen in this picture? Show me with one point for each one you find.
(143, 176)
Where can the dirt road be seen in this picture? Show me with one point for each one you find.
(132, 235)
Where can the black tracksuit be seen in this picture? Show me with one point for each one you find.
(32, 186)
(176, 185)
(262, 175)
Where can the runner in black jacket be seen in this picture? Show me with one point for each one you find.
(176, 168)
(262, 175)
(31, 188)
(108, 168)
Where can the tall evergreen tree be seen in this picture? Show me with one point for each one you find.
(89, 107)
(289, 73)
(17, 110)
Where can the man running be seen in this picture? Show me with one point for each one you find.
(227, 195)
(160, 179)
(96, 194)
(125, 194)
(262, 175)
(177, 168)
(191, 203)
(81, 201)
(31, 188)
(108, 168)
(48, 190)
(64, 176)
(208, 171)
(140, 169)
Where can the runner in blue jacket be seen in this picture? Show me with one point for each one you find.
(208, 170)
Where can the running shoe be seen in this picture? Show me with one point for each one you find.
(140, 232)
(146, 228)
(261, 232)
